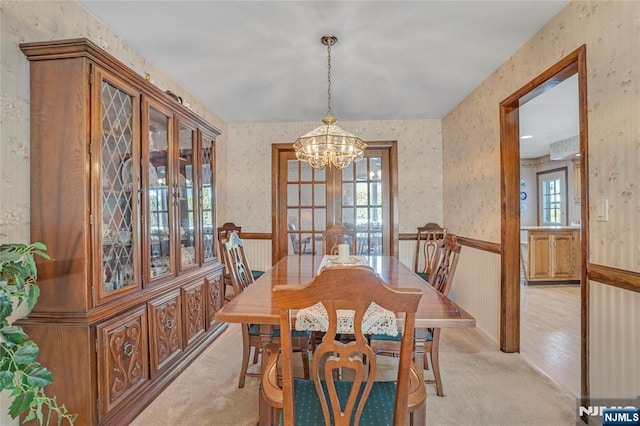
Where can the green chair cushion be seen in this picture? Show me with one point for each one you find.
(398, 338)
(254, 330)
(256, 275)
(423, 275)
(377, 411)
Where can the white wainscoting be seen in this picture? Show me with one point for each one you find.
(614, 333)
(407, 252)
(476, 288)
(258, 254)
(476, 285)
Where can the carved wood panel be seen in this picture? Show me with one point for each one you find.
(215, 297)
(165, 331)
(124, 353)
(194, 306)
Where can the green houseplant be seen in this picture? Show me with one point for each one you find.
(20, 374)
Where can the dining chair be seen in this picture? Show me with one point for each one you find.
(441, 278)
(359, 398)
(300, 245)
(241, 278)
(223, 235)
(427, 239)
(336, 235)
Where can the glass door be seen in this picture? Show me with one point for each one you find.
(364, 200)
(207, 194)
(357, 197)
(118, 107)
(158, 198)
(186, 196)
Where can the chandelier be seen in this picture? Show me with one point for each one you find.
(329, 145)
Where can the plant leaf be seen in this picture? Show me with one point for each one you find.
(37, 375)
(32, 296)
(21, 403)
(26, 354)
(6, 380)
(13, 334)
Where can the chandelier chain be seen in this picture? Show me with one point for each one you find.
(329, 78)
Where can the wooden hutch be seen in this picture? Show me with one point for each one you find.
(123, 195)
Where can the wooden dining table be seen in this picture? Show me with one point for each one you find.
(256, 306)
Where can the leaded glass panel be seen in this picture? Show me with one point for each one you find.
(119, 186)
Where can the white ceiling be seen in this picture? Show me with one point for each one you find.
(262, 61)
(549, 117)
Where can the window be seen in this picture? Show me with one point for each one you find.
(552, 197)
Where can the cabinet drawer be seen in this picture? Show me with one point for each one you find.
(123, 365)
(215, 297)
(193, 302)
(165, 331)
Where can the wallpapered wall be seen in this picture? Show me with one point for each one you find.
(51, 20)
(419, 168)
(471, 131)
(471, 142)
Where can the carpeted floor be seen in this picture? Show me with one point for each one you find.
(482, 386)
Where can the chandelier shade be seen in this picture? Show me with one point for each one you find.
(329, 145)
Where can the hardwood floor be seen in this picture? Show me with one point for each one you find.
(550, 332)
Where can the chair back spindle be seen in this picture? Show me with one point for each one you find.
(335, 236)
(427, 239)
(236, 261)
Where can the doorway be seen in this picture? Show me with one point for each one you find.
(550, 234)
(574, 63)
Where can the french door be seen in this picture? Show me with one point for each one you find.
(309, 201)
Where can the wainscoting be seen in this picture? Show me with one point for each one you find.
(614, 333)
(476, 286)
(258, 254)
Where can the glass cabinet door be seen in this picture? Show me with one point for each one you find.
(159, 199)
(119, 157)
(186, 196)
(207, 201)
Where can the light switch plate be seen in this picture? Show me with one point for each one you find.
(602, 210)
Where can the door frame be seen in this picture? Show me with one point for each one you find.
(277, 148)
(574, 62)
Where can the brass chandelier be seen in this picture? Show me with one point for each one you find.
(329, 145)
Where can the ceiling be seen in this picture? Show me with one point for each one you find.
(262, 61)
(549, 117)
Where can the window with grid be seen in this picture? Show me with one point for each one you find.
(552, 197)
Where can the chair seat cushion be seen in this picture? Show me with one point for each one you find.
(255, 274)
(377, 411)
(254, 330)
(423, 275)
(398, 338)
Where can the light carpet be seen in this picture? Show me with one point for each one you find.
(482, 386)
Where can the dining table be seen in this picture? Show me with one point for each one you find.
(256, 306)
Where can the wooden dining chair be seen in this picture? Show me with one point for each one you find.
(336, 235)
(427, 239)
(359, 398)
(223, 236)
(441, 278)
(241, 278)
(300, 245)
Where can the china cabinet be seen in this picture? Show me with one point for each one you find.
(123, 195)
